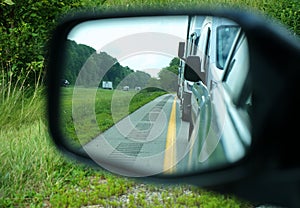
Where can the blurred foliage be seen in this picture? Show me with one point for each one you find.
(25, 26)
(168, 76)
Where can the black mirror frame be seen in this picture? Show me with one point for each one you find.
(274, 57)
(192, 65)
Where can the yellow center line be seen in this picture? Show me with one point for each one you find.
(170, 150)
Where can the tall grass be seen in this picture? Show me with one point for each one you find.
(22, 133)
(19, 102)
(28, 162)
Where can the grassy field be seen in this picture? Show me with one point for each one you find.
(90, 128)
(34, 174)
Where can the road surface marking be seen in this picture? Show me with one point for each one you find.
(170, 150)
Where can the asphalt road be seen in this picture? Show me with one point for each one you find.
(154, 140)
(151, 140)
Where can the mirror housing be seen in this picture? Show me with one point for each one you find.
(192, 69)
(181, 50)
(271, 168)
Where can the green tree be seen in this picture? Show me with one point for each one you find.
(141, 79)
(76, 56)
(25, 28)
(94, 67)
(168, 76)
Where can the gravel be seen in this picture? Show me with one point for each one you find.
(149, 194)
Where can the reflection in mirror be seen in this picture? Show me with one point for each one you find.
(125, 101)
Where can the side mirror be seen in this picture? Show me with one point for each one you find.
(181, 46)
(140, 133)
(192, 69)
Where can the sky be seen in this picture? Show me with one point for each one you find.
(141, 43)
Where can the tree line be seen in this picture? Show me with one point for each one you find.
(87, 67)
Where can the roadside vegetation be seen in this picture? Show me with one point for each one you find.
(103, 106)
(33, 173)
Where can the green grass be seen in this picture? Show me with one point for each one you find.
(124, 103)
(286, 11)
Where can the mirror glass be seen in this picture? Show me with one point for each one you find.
(124, 100)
